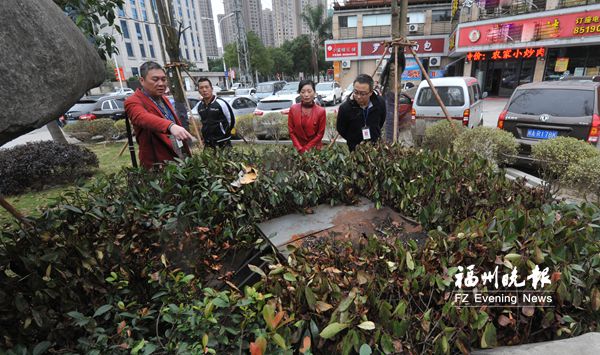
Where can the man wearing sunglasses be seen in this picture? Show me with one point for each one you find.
(362, 115)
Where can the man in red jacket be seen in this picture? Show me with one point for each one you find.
(157, 128)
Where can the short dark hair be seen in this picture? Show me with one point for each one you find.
(364, 79)
(305, 82)
(201, 79)
(146, 67)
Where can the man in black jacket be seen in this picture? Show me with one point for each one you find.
(362, 115)
(216, 115)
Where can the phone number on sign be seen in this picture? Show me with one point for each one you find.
(586, 29)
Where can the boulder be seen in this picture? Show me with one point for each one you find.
(47, 65)
(586, 344)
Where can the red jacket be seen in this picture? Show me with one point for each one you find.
(150, 127)
(307, 133)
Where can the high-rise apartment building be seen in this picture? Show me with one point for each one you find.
(251, 13)
(226, 27)
(304, 30)
(141, 42)
(268, 29)
(208, 29)
(287, 19)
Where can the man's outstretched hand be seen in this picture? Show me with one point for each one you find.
(180, 132)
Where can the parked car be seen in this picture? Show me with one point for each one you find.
(95, 106)
(462, 97)
(236, 86)
(290, 88)
(348, 92)
(549, 109)
(330, 91)
(275, 103)
(240, 105)
(122, 91)
(268, 88)
(249, 93)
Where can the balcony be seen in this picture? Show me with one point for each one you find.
(376, 31)
(441, 28)
(493, 9)
(347, 32)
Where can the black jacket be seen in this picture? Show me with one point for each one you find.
(217, 120)
(351, 120)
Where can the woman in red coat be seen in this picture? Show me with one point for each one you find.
(306, 120)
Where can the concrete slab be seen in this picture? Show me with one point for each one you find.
(586, 344)
(492, 107)
(38, 135)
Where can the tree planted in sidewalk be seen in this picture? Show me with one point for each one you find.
(319, 25)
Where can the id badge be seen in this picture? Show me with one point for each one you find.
(366, 133)
(179, 143)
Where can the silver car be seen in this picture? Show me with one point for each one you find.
(241, 105)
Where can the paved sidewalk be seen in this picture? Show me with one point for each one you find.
(38, 135)
(492, 107)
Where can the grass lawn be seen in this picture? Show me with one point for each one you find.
(32, 203)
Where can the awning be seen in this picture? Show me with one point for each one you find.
(453, 62)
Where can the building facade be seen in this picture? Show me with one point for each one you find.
(208, 29)
(360, 27)
(226, 27)
(141, 41)
(285, 14)
(268, 30)
(511, 43)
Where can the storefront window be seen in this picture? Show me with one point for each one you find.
(572, 61)
(500, 78)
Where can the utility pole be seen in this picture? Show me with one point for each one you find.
(242, 44)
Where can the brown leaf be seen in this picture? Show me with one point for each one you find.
(461, 346)
(120, 327)
(124, 346)
(503, 320)
(555, 276)
(528, 311)
(398, 348)
(323, 306)
(305, 345)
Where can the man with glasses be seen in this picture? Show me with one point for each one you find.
(362, 116)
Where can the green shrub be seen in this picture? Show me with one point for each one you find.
(493, 144)
(131, 259)
(584, 176)
(85, 130)
(274, 125)
(244, 126)
(441, 135)
(331, 129)
(120, 128)
(39, 164)
(558, 154)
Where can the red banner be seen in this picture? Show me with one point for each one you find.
(341, 50)
(574, 25)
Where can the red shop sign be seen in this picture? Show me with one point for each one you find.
(579, 24)
(341, 50)
(506, 54)
(424, 46)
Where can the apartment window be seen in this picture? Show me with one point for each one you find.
(138, 29)
(134, 13)
(441, 15)
(144, 12)
(377, 20)
(125, 29)
(142, 50)
(148, 33)
(135, 71)
(187, 54)
(151, 48)
(121, 12)
(129, 48)
(417, 17)
(347, 21)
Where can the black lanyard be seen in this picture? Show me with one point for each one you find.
(168, 114)
(365, 113)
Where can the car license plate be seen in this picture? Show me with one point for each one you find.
(541, 134)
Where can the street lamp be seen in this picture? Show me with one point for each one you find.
(222, 43)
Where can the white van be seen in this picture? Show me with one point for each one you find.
(461, 95)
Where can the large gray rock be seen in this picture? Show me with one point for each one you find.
(586, 344)
(47, 65)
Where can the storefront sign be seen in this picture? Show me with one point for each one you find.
(412, 71)
(363, 49)
(519, 53)
(561, 65)
(341, 50)
(562, 26)
(437, 73)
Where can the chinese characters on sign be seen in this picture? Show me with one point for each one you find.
(340, 50)
(588, 24)
(537, 277)
(505, 54)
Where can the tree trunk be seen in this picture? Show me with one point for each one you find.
(315, 59)
(56, 132)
